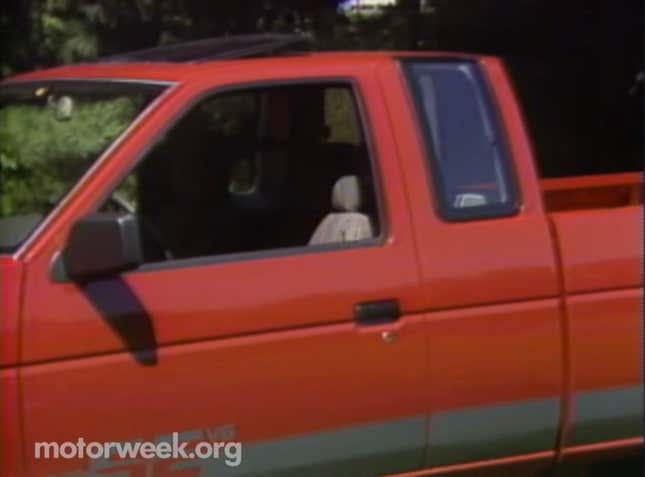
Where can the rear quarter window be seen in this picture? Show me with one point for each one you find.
(465, 147)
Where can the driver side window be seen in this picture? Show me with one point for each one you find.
(253, 170)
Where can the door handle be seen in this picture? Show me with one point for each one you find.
(377, 312)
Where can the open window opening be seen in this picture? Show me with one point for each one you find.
(255, 170)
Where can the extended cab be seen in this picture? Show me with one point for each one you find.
(345, 261)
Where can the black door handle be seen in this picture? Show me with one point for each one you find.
(377, 312)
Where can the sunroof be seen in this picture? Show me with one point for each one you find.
(228, 47)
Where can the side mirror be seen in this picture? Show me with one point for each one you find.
(102, 245)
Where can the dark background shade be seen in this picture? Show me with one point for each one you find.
(576, 64)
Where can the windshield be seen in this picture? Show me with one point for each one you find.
(50, 134)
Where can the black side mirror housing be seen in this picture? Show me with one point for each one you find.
(102, 245)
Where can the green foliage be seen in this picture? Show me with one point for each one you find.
(41, 155)
(341, 117)
(39, 33)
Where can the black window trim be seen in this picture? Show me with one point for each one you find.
(59, 275)
(486, 99)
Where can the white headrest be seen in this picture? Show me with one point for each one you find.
(346, 195)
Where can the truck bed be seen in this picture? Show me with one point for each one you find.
(593, 192)
(597, 221)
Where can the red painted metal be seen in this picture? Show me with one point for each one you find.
(472, 295)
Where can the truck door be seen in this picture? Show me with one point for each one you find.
(488, 270)
(240, 326)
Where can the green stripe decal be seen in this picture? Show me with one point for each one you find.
(456, 436)
(488, 432)
(363, 450)
(607, 415)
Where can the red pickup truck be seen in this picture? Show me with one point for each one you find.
(346, 262)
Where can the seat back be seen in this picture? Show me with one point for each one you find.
(348, 223)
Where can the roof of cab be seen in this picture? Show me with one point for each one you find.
(186, 71)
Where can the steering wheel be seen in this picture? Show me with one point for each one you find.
(121, 204)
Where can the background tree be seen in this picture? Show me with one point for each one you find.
(574, 63)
